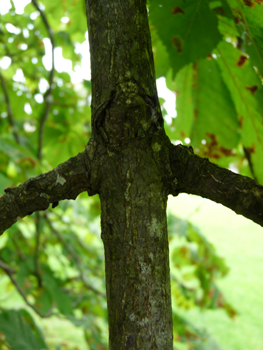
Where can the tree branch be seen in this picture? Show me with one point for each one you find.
(6, 267)
(66, 181)
(9, 110)
(48, 97)
(191, 174)
(196, 175)
(10, 271)
(36, 255)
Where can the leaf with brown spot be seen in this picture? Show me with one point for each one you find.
(226, 152)
(252, 19)
(220, 11)
(213, 139)
(193, 32)
(176, 10)
(182, 134)
(249, 3)
(211, 150)
(253, 88)
(195, 112)
(237, 20)
(241, 61)
(251, 149)
(177, 43)
(240, 120)
(247, 105)
(213, 155)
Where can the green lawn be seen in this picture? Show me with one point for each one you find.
(240, 242)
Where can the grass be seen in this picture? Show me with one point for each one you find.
(240, 242)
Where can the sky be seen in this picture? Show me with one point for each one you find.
(81, 71)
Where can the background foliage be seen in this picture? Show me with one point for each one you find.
(210, 53)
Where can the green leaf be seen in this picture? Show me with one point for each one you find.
(43, 301)
(221, 8)
(227, 27)
(62, 38)
(190, 31)
(161, 58)
(214, 113)
(184, 104)
(23, 277)
(52, 284)
(247, 93)
(77, 25)
(249, 20)
(20, 330)
(87, 84)
(4, 182)
(201, 97)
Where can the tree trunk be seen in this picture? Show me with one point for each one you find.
(129, 156)
(133, 166)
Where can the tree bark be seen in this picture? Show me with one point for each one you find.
(127, 151)
(190, 174)
(196, 175)
(132, 165)
(66, 181)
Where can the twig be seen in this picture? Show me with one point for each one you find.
(19, 250)
(36, 256)
(6, 267)
(9, 110)
(48, 97)
(9, 271)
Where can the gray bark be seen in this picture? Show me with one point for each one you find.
(128, 148)
(132, 165)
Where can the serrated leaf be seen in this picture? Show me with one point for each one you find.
(190, 31)
(205, 110)
(249, 19)
(247, 93)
